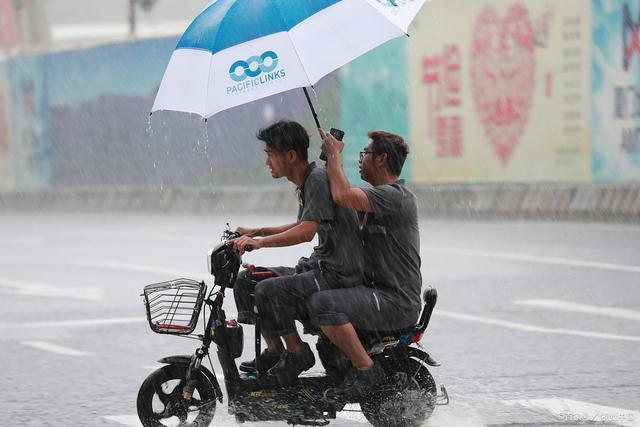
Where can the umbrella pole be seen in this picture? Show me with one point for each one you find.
(323, 156)
(313, 110)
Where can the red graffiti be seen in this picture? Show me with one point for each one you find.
(630, 36)
(441, 74)
(503, 75)
(633, 46)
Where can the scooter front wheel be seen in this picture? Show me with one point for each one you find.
(161, 401)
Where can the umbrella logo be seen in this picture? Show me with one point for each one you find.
(266, 63)
(254, 72)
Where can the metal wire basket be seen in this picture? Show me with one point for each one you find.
(173, 307)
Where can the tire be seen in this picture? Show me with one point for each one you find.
(409, 401)
(160, 401)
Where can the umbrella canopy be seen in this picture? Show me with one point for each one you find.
(238, 51)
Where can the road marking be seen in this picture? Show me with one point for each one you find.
(133, 267)
(72, 323)
(535, 259)
(37, 289)
(533, 328)
(127, 420)
(24, 241)
(577, 412)
(620, 313)
(54, 348)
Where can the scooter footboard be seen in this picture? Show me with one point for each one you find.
(265, 400)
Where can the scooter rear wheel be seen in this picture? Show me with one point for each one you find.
(161, 401)
(408, 401)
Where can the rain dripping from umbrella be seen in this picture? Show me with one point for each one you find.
(206, 147)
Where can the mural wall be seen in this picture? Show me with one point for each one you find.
(30, 137)
(483, 91)
(81, 119)
(498, 91)
(374, 96)
(616, 90)
(7, 177)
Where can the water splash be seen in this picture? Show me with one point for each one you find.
(206, 146)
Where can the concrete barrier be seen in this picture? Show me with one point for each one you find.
(607, 202)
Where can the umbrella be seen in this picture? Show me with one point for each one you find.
(238, 51)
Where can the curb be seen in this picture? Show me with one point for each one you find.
(585, 202)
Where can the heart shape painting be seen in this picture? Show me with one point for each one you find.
(503, 66)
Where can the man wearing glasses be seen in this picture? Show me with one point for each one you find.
(390, 300)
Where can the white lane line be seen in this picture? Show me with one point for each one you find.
(24, 241)
(133, 267)
(54, 348)
(37, 289)
(127, 420)
(533, 328)
(577, 412)
(535, 259)
(72, 323)
(620, 313)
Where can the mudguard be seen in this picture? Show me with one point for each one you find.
(185, 360)
(422, 355)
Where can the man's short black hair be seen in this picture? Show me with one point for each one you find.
(286, 135)
(393, 146)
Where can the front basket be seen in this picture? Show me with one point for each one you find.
(173, 307)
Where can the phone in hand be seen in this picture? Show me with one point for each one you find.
(337, 134)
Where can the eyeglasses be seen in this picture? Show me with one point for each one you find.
(364, 153)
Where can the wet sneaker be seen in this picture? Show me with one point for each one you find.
(267, 361)
(291, 365)
(356, 384)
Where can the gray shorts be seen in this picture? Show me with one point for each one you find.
(281, 300)
(364, 307)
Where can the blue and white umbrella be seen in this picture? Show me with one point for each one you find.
(238, 51)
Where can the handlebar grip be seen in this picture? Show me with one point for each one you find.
(248, 248)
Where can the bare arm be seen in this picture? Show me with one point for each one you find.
(265, 231)
(303, 231)
(343, 194)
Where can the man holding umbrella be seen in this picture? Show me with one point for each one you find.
(390, 299)
(336, 262)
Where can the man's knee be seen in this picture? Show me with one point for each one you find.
(320, 302)
(264, 291)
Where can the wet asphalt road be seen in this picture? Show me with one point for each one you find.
(536, 323)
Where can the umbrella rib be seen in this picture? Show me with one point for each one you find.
(385, 17)
(295, 48)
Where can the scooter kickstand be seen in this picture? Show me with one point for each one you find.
(442, 398)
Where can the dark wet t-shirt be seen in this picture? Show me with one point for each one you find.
(339, 248)
(392, 243)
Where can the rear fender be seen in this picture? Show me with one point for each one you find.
(186, 361)
(421, 355)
